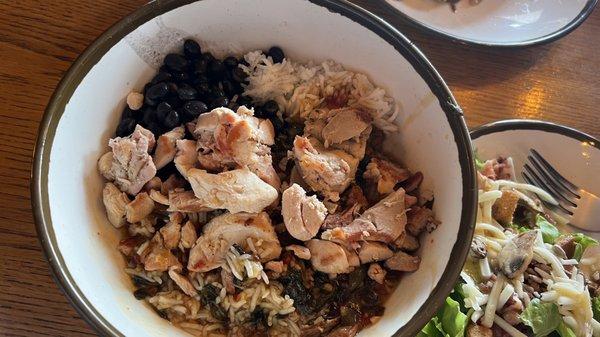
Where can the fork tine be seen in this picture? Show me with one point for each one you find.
(555, 208)
(557, 176)
(565, 193)
(542, 183)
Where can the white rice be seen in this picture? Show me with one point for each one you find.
(299, 89)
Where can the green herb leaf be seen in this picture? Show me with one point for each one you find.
(564, 331)
(549, 232)
(596, 308)
(582, 243)
(543, 318)
(450, 321)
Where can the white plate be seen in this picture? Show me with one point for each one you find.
(574, 154)
(503, 23)
(81, 243)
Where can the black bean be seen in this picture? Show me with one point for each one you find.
(239, 75)
(155, 128)
(162, 110)
(125, 127)
(149, 102)
(127, 113)
(208, 57)
(176, 62)
(149, 115)
(186, 92)
(144, 292)
(270, 108)
(230, 62)
(203, 88)
(200, 66)
(194, 108)
(172, 86)
(276, 54)
(157, 91)
(278, 124)
(228, 88)
(162, 76)
(220, 102)
(174, 101)
(181, 76)
(171, 120)
(216, 69)
(216, 92)
(191, 49)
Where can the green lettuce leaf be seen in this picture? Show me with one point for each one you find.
(596, 308)
(582, 242)
(479, 164)
(564, 331)
(450, 321)
(549, 232)
(543, 318)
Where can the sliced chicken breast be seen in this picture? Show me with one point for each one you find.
(227, 140)
(388, 216)
(186, 202)
(328, 257)
(139, 208)
(385, 175)
(129, 165)
(236, 191)
(328, 172)
(228, 229)
(166, 147)
(115, 203)
(186, 156)
(374, 251)
(302, 215)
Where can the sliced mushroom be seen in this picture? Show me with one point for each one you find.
(139, 208)
(302, 215)
(403, 262)
(517, 253)
(328, 257)
(374, 251)
(300, 251)
(407, 242)
(417, 219)
(376, 273)
(115, 203)
(478, 248)
(183, 282)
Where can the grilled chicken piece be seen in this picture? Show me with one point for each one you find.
(504, 208)
(154, 184)
(172, 183)
(376, 273)
(236, 191)
(171, 234)
(166, 147)
(115, 203)
(186, 156)
(407, 242)
(346, 129)
(342, 219)
(302, 215)
(229, 140)
(129, 165)
(328, 257)
(228, 229)
(188, 235)
(300, 251)
(186, 202)
(158, 258)
(328, 172)
(403, 262)
(183, 282)
(417, 219)
(388, 216)
(350, 235)
(276, 266)
(159, 198)
(139, 208)
(374, 251)
(128, 246)
(385, 175)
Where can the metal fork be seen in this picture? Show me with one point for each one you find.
(578, 207)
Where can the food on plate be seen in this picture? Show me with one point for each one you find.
(254, 198)
(524, 276)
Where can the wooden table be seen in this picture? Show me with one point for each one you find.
(39, 40)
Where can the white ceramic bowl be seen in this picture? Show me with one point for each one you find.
(573, 153)
(81, 244)
(500, 23)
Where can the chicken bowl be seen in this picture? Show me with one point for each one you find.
(254, 167)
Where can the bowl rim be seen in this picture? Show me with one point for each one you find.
(544, 39)
(93, 53)
(533, 125)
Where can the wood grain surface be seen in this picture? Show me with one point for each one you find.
(39, 40)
